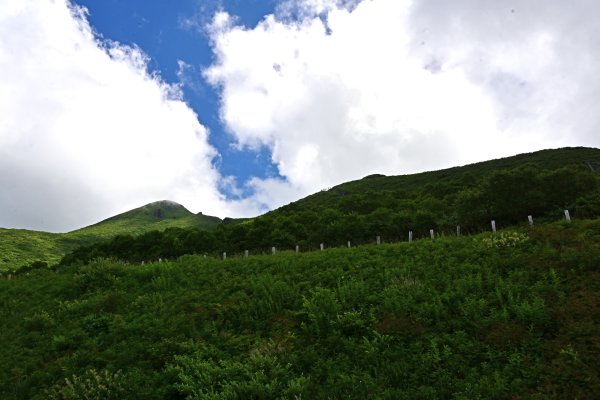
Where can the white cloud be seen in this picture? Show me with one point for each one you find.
(336, 89)
(537, 62)
(85, 130)
(387, 86)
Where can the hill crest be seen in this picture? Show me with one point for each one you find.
(470, 195)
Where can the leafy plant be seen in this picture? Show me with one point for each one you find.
(91, 385)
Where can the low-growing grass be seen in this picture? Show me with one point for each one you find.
(20, 247)
(451, 318)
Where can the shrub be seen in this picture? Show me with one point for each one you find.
(91, 385)
(505, 239)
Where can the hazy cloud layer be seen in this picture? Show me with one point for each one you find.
(350, 88)
(85, 130)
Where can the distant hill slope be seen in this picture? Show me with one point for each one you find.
(541, 184)
(506, 190)
(19, 247)
(159, 215)
(450, 179)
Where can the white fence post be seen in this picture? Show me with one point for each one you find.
(494, 226)
(432, 234)
(457, 230)
(273, 250)
(297, 249)
(530, 219)
(349, 244)
(246, 253)
(567, 215)
(321, 246)
(410, 236)
(224, 255)
(378, 240)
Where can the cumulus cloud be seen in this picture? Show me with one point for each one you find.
(536, 62)
(341, 89)
(86, 130)
(336, 89)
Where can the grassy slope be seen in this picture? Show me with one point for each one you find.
(20, 247)
(454, 318)
(154, 216)
(547, 159)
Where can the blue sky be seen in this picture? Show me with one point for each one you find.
(172, 31)
(236, 107)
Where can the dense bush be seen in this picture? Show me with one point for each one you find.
(507, 196)
(452, 318)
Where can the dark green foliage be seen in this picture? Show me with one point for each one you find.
(24, 250)
(510, 316)
(506, 316)
(159, 215)
(359, 211)
(91, 385)
(541, 184)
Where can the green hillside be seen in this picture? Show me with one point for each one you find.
(542, 184)
(19, 247)
(159, 215)
(447, 181)
(507, 191)
(510, 316)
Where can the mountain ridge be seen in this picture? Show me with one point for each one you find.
(545, 159)
(19, 247)
(361, 196)
(158, 215)
(465, 199)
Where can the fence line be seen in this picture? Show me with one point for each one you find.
(432, 234)
(378, 241)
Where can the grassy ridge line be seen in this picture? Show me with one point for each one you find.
(154, 216)
(165, 248)
(545, 159)
(19, 247)
(137, 227)
(416, 192)
(451, 318)
(22, 247)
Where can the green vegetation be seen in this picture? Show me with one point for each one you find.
(390, 207)
(511, 316)
(20, 247)
(159, 216)
(542, 184)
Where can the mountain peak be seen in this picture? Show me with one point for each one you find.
(164, 203)
(162, 209)
(157, 215)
